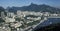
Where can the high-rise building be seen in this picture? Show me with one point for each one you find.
(2, 15)
(10, 14)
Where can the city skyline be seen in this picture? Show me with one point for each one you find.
(20, 3)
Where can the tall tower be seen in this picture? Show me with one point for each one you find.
(2, 15)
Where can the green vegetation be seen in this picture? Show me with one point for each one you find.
(1, 20)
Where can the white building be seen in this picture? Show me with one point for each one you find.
(10, 14)
(25, 13)
(16, 25)
(2, 15)
(9, 20)
(31, 18)
(46, 13)
(5, 29)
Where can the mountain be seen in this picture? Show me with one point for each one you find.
(35, 7)
(1, 9)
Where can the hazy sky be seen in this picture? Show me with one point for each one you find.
(19, 3)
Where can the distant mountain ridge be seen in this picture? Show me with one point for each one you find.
(37, 8)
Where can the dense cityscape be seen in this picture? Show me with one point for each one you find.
(29, 15)
(24, 20)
